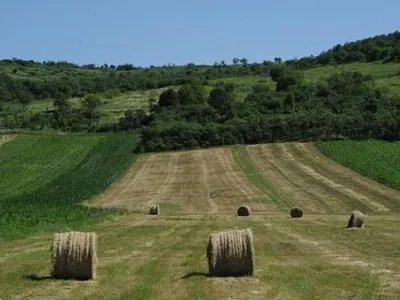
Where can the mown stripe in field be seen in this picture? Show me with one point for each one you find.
(275, 168)
(243, 159)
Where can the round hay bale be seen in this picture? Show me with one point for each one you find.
(356, 219)
(155, 210)
(230, 253)
(74, 255)
(243, 211)
(296, 212)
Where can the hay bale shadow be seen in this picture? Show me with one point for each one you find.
(34, 277)
(195, 274)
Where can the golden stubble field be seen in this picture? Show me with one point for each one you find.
(164, 257)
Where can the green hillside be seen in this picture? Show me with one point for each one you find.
(385, 76)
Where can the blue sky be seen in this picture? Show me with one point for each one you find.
(158, 32)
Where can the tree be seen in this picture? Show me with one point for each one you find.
(235, 61)
(61, 103)
(288, 80)
(276, 72)
(191, 94)
(24, 96)
(168, 98)
(220, 99)
(244, 61)
(289, 102)
(278, 60)
(90, 105)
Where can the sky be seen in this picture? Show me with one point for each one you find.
(158, 32)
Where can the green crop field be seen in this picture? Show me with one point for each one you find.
(376, 159)
(43, 177)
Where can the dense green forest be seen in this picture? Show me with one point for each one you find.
(201, 106)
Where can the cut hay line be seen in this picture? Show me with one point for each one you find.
(230, 253)
(243, 211)
(155, 210)
(74, 255)
(250, 168)
(356, 219)
(296, 212)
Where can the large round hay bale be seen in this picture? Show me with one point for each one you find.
(230, 253)
(74, 255)
(243, 211)
(296, 212)
(356, 219)
(155, 210)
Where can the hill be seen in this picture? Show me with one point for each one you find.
(385, 47)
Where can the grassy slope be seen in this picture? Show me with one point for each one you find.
(43, 177)
(111, 109)
(376, 159)
(383, 74)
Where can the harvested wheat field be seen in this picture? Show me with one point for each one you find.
(190, 182)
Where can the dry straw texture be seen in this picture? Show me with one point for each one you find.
(230, 253)
(296, 212)
(243, 211)
(74, 255)
(155, 210)
(356, 219)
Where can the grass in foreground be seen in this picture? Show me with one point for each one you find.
(376, 159)
(43, 178)
(141, 257)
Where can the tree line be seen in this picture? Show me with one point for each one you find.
(52, 79)
(385, 48)
(346, 105)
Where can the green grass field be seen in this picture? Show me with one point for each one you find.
(377, 70)
(43, 177)
(376, 159)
